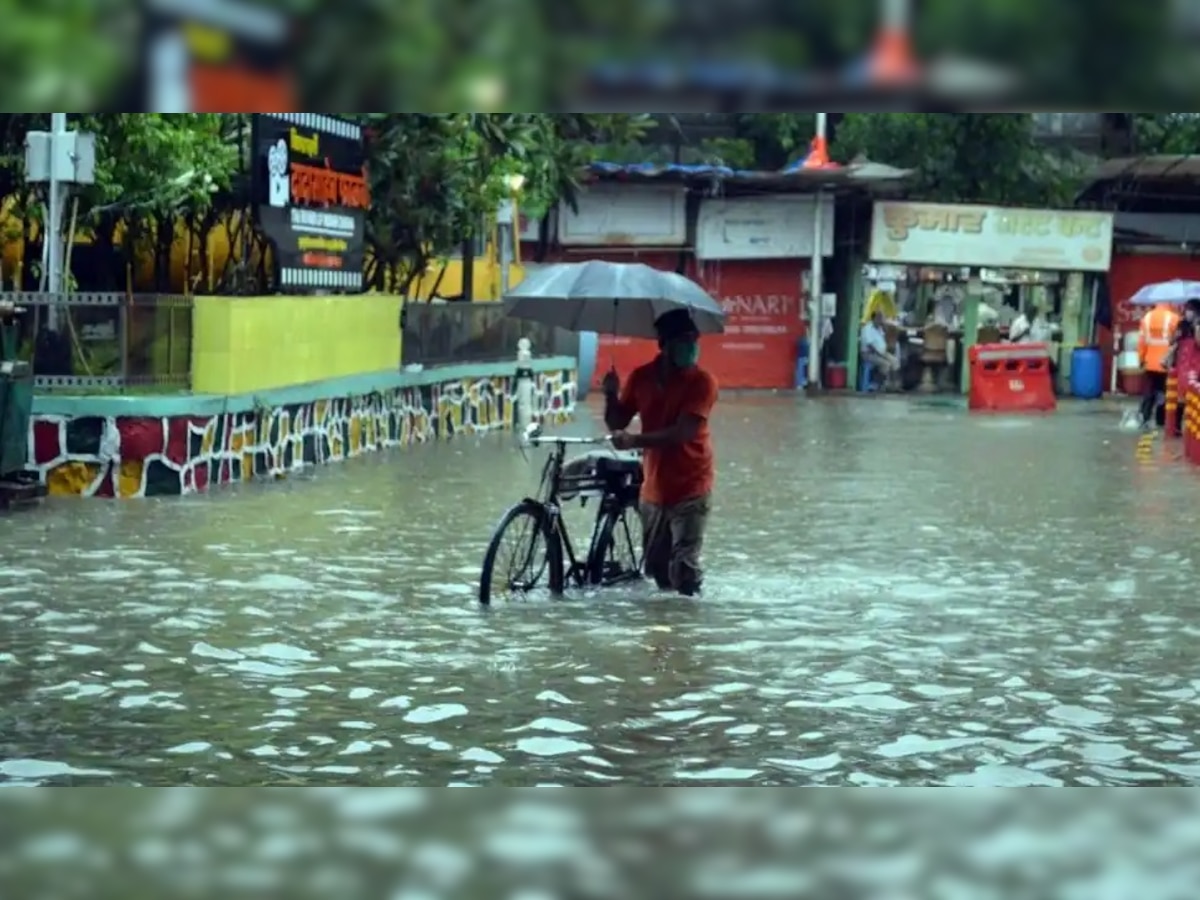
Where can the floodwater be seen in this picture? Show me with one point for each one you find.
(898, 594)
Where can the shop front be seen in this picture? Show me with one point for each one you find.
(1148, 248)
(752, 255)
(967, 272)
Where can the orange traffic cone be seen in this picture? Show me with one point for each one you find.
(892, 58)
(818, 155)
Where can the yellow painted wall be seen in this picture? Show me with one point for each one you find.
(186, 261)
(246, 344)
(487, 280)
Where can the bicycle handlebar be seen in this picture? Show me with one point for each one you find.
(533, 436)
(570, 440)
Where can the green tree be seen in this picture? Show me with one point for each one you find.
(1166, 133)
(963, 157)
(436, 178)
(151, 170)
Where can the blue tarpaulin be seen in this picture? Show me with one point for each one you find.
(795, 176)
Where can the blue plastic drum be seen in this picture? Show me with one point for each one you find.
(589, 350)
(1087, 373)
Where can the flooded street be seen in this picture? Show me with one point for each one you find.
(897, 593)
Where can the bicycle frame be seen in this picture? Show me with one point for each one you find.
(548, 494)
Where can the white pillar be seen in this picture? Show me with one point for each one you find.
(816, 278)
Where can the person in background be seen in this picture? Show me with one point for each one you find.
(1035, 328)
(674, 398)
(872, 346)
(945, 311)
(1156, 333)
(1184, 357)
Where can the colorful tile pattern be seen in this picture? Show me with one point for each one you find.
(145, 457)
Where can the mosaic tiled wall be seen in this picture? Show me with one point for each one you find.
(141, 457)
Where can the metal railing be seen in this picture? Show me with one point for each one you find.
(447, 333)
(106, 341)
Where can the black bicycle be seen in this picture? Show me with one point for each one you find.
(536, 534)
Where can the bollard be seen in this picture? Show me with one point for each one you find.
(1171, 405)
(524, 413)
(1191, 424)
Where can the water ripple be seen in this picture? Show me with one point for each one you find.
(894, 597)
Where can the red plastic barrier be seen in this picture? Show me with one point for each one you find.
(1011, 378)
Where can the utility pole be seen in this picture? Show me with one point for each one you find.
(53, 231)
(817, 265)
(57, 158)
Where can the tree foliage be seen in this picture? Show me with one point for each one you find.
(437, 178)
(1166, 133)
(994, 157)
(964, 157)
(152, 170)
(528, 54)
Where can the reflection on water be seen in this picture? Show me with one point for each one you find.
(897, 594)
(627, 843)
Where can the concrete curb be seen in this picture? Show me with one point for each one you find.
(172, 405)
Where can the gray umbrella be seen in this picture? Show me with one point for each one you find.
(621, 299)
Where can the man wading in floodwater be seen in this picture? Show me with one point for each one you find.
(673, 397)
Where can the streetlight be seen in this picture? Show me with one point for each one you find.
(505, 227)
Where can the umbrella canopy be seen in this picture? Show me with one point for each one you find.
(622, 299)
(1176, 292)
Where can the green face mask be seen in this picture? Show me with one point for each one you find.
(685, 354)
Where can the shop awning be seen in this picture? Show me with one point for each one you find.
(861, 174)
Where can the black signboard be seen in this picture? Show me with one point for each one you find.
(310, 197)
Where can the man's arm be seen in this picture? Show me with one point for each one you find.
(694, 413)
(1142, 344)
(619, 405)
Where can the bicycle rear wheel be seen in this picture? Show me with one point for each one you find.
(524, 552)
(616, 552)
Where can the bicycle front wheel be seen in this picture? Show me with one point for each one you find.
(616, 552)
(523, 554)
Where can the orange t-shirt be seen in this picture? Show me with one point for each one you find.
(685, 471)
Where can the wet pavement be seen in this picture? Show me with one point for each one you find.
(898, 593)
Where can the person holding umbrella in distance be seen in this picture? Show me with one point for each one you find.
(674, 398)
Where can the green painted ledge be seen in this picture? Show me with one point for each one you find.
(165, 406)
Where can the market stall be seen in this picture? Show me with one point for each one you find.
(962, 274)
